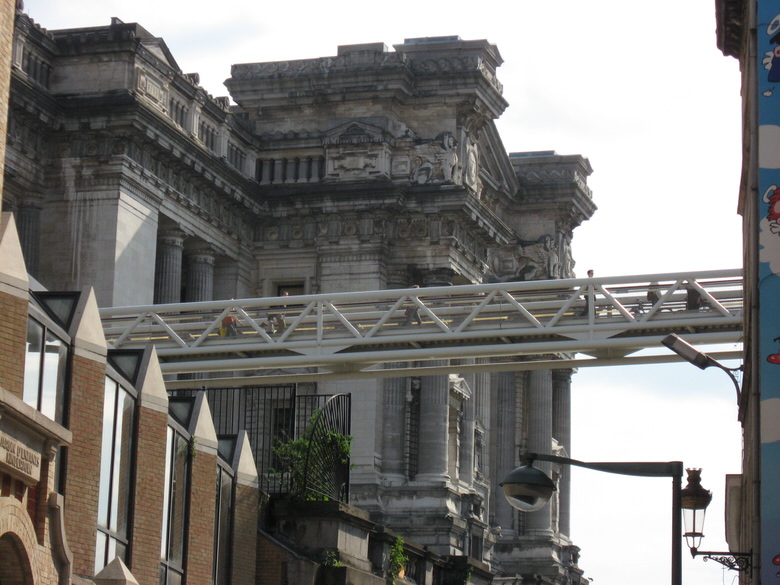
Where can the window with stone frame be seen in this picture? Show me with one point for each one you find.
(224, 510)
(116, 472)
(175, 506)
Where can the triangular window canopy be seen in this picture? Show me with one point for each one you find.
(126, 362)
(60, 306)
(226, 447)
(181, 409)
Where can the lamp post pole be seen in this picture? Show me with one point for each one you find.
(673, 469)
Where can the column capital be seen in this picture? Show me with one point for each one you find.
(171, 237)
(438, 277)
(202, 255)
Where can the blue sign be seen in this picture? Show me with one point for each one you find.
(768, 285)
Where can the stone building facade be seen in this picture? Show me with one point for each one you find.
(371, 169)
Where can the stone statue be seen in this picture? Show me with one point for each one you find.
(436, 161)
(539, 260)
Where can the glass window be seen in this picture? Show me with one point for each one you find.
(45, 369)
(223, 524)
(115, 474)
(174, 508)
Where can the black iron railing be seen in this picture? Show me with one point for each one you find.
(272, 415)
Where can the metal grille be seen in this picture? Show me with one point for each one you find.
(270, 414)
(327, 462)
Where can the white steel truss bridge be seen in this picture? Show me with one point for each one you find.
(546, 324)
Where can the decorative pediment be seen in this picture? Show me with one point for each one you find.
(357, 151)
(355, 132)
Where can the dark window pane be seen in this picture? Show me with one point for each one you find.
(124, 461)
(223, 523)
(178, 500)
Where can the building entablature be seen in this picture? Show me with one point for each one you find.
(420, 71)
(548, 180)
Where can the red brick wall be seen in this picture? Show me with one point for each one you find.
(83, 473)
(271, 560)
(200, 538)
(148, 499)
(245, 534)
(13, 334)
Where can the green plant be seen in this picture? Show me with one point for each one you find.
(290, 455)
(398, 559)
(292, 458)
(340, 444)
(330, 558)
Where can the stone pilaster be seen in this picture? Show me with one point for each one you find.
(28, 222)
(467, 433)
(393, 426)
(434, 426)
(167, 269)
(540, 420)
(200, 275)
(561, 380)
(503, 440)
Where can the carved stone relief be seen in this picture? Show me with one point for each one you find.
(436, 161)
(537, 260)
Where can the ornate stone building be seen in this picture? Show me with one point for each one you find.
(371, 169)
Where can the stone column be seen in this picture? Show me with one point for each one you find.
(393, 426)
(200, 275)
(167, 268)
(540, 402)
(28, 224)
(467, 432)
(278, 171)
(503, 441)
(434, 419)
(561, 380)
(434, 408)
(303, 169)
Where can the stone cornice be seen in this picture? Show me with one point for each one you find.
(729, 16)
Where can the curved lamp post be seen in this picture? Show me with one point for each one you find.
(529, 489)
(695, 498)
(699, 359)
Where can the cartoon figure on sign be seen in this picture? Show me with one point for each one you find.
(772, 199)
(774, 358)
(771, 60)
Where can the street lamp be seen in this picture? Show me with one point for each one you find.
(701, 360)
(529, 489)
(695, 498)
